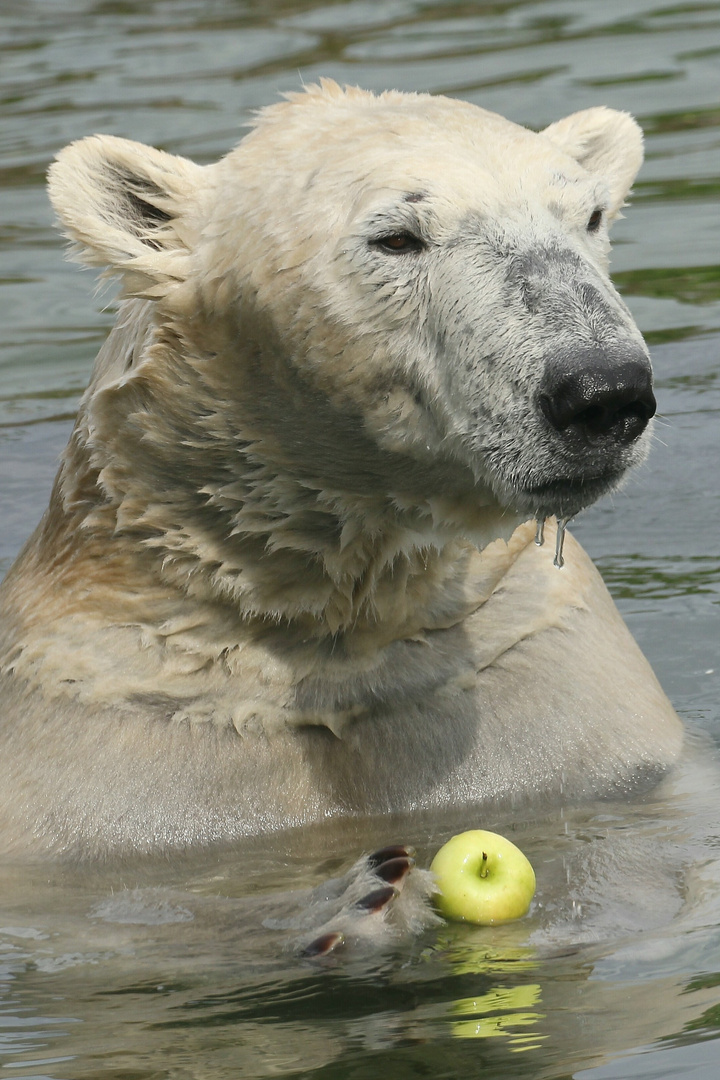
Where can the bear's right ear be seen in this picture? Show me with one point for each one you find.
(129, 208)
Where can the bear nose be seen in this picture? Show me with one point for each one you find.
(599, 398)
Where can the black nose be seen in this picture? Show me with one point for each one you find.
(598, 397)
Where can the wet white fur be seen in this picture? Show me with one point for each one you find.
(284, 573)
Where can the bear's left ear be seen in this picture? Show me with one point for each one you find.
(607, 143)
(129, 208)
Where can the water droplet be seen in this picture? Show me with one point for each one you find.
(540, 532)
(559, 542)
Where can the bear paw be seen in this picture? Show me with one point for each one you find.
(383, 897)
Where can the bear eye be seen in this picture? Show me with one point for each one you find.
(398, 243)
(595, 220)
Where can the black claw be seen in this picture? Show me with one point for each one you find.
(394, 870)
(324, 945)
(394, 851)
(376, 900)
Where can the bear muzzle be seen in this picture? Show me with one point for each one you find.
(592, 397)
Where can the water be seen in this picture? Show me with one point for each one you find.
(559, 560)
(167, 969)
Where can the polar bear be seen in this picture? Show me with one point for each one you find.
(289, 567)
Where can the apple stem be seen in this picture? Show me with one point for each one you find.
(483, 865)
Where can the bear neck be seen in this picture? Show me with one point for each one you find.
(292, 560)
(323, 564)
(331, 564)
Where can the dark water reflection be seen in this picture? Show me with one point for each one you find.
(147, 971)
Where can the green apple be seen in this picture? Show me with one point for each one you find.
(483, 878)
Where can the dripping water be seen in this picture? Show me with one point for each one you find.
(560, 541)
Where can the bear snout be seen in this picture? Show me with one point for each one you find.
(598, 397)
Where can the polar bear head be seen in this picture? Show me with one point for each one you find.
(399, 293)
